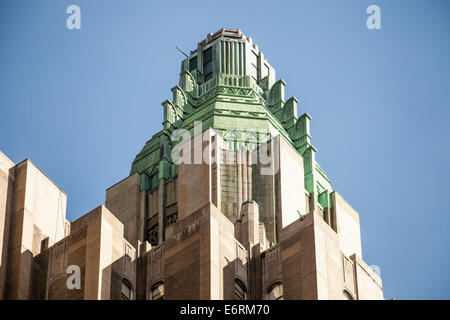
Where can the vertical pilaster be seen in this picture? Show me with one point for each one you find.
(239, 180)
(161, 210)
(142, 218)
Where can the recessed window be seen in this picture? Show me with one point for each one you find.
(158, 291)
(152, 235)
(240, 292)
(193, 63)
(171, 219)
(275, 292)
(208, 64)
(127, 290)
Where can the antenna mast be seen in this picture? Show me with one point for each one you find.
(182, 52)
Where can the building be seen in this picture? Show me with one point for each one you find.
(227, 201)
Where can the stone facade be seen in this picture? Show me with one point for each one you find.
(238, 209)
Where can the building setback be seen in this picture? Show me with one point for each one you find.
(227, 201)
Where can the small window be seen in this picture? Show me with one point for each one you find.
(193, 63)
(240, 293)
(158, 291)
(171, 219)
(207, 55)
(127, 291)
(208, 64)
(275, 292)
(152, 235)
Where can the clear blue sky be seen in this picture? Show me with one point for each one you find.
(82, 103)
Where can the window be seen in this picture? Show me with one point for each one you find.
(240, 293)
(127, 291)
(152, 235)
(275, 292)
(171, 219)
(158, 291)
(208, 64)
(193, 63)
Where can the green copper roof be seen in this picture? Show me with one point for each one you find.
(227, 84)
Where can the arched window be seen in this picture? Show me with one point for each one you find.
(346, 296)
(127, 290)
(240, 292)
(275, 292)
(157, 292)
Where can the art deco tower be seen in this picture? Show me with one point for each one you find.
(227, 201)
